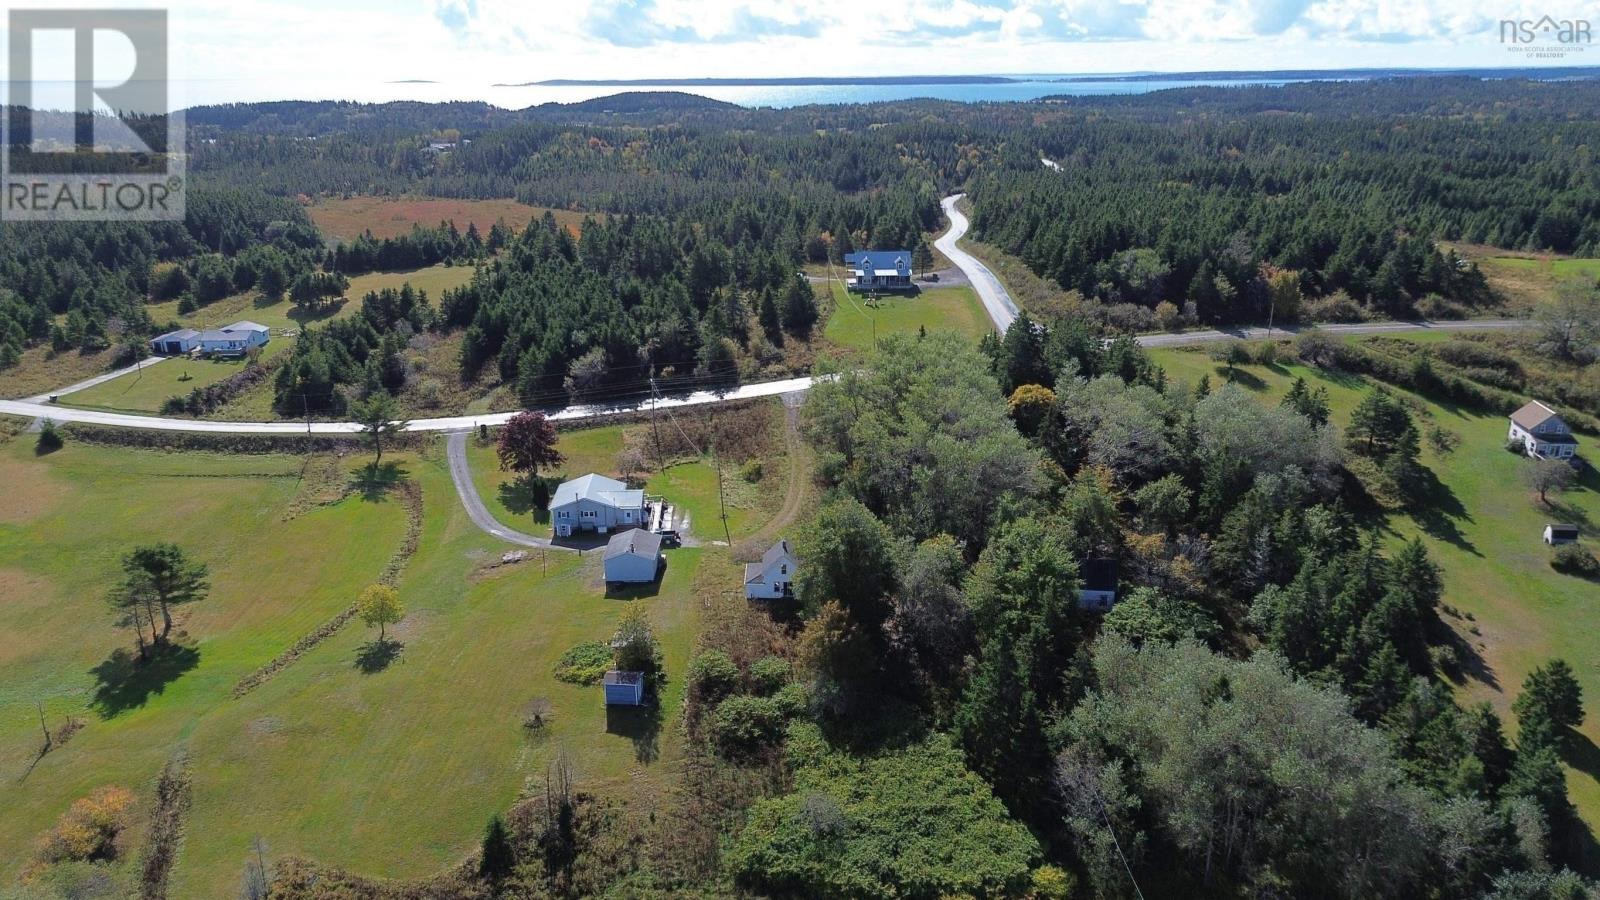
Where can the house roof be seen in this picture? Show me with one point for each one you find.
(616, 676)
(634, 542)
(1533, 415)
(598, 489)
(1099, 575)
(883, 262)
(1563, 529)
(755, 573)
(182, 334)
(245, 325)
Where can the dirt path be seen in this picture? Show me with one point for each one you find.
(794, 496)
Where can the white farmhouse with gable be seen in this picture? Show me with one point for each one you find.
(1542, 432)
(773, 577)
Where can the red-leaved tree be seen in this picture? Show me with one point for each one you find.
(527, 443)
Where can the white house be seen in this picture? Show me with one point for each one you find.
(1560, 534)
(878, 270)
(624, 688)
(1542, 433)
(773, 577)
(595, 503)
(633, 557)
(1097, 584)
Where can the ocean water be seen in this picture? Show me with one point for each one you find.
(1026, 87)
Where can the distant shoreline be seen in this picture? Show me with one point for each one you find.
(767, 82)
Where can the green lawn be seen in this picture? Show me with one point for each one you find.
(693, 485)
(1557, 268)
(856, 320)
(147, 389)
(392, 773)
(1486, 536)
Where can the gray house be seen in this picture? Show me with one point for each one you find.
(595, 503)
(1542, 432)
(773, 577)
(633, 557)
(175, 343)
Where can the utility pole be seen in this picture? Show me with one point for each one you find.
(655, 426)
(717, 464)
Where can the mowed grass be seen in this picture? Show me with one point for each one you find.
(147, 389)
(691, 485)
(393, 773)
(386, 217)
(1486, 535)
(856, 321)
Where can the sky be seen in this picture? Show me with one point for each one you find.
(298, 44)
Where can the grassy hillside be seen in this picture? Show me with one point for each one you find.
(1484, 530)
(390, 772)
(856, 320)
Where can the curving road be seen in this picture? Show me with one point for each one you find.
(461, 474)
(996, 301)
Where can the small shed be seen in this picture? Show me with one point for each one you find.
(1097, 588)
(633, 557)
(1560, 534)
(624, 688)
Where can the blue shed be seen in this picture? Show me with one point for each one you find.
(624, 688)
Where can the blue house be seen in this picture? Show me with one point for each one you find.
(878, 270)
(235, 339)
(624, 688)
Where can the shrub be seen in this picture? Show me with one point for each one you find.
(89, 828)
(1052, 883)
(769, 674)
(1336, 307)
(712, 676)
(1434, 306)
(1516, 446)
(752, 471)
(793, 699)
(745, 725)
(1573, 559)
(584, 664)
(49, 438)
(1167, 316)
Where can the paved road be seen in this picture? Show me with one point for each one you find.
(995, 299)
(62, 414)
(145, 363)
(461, 474)
(1189, 338)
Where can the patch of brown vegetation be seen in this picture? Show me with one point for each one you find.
(40, 370)
(30, 491)
(386, 217)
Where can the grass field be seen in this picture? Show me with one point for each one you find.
(345, 219)
(146, 391)
(41, 371)
(856, 320)
(1486, 536)
(1527, 279)
(391, 773)
(692, 485)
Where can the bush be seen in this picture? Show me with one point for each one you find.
(49, 438)
(89, 828)
(1517, 446)
(793, 699)
(584, 664)
(712, 676)
(769, 674)
(1574, 559)
(1434, 306)
(1336, 307)
(744, 725)
(752, 471)
(1052, 883)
